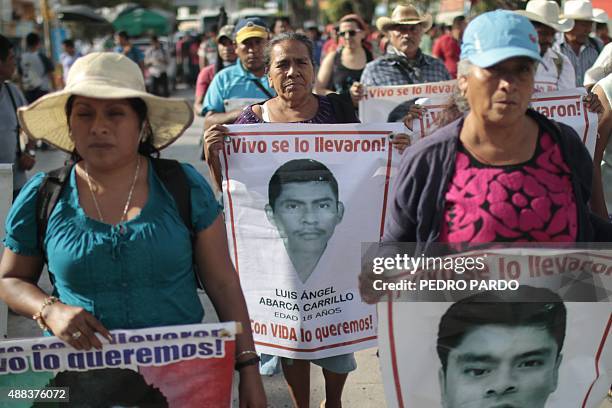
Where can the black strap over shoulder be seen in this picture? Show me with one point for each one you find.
(172, 175)
(48, 193)
(174, 179)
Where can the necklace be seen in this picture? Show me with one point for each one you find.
(129, 198)
(477, 156)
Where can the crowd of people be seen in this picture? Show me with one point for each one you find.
(543, 185)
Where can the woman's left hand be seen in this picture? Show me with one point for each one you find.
(400, 141)
(251, 390)
(593, 104)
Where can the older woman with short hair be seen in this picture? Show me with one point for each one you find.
(290, 69)
(501, 173)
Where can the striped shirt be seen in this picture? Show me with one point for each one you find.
(581, 62)
(395, 69)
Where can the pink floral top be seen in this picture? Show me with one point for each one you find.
(532, 201)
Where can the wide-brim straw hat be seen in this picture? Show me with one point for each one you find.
(404, 15)
(104, 75)
(582, 10)
(547, 13)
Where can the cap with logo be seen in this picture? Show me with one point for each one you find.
(498, 35)
(253, 27)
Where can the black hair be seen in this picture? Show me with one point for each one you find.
(219, 64)
(400, 111)
(288, 36)
(108, 387)
(601, 26)
(145, 148)
(154, 37)
(123, 34)
(5, 47)
(458, 20)
(299, 171)
(68, 43)
(32, 40)
(527, 306)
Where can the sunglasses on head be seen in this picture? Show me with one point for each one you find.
(351, 33)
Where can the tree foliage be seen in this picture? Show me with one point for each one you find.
(338, 8)
(162, 4)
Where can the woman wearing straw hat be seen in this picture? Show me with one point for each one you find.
(116, 246)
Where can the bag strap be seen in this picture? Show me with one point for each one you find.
(46, 199)
(263, 88)
(174, 179)
(18, 128)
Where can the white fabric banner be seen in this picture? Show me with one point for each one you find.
(497, 355)
(390, 103)
(380, 102)
(411, 367)
(299, 200)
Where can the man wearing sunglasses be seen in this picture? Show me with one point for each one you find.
(404, 63)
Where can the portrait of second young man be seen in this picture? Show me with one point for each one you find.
(304, 206)
(497, 352)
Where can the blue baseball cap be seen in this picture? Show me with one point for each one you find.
(249, 28)
(498, 35)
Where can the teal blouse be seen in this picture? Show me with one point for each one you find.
(141, 276)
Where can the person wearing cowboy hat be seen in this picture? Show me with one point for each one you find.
(244, 80)
(576, 44)
(404, 63)
(556, 72)
(119, 251)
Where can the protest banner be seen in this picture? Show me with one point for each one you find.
(239, 103)
(174, 366)
(567, 107)
(6, 198)
(449, 352)
(387, 103)
(411, 367)
(390, 104)
(299, 199)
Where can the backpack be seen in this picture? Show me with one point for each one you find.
(169, 172)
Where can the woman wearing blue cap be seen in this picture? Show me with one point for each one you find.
(502, 172)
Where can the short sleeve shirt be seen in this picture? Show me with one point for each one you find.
(141, 277)
(134, 54)
(232, 83)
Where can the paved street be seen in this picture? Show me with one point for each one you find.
(363, 388)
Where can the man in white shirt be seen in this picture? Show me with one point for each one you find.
(556, 72)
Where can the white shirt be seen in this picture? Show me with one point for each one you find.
(549, 79)
(601, 68)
